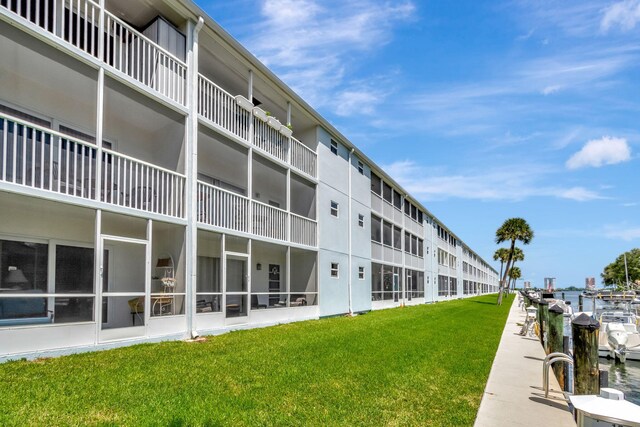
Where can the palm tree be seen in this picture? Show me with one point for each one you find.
(511, 230)
(502, 255)
(514, 274)
(518, 255)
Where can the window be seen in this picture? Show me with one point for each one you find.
(25, 270)
(334, 147)
(397, 200)
(414, 212)
(420, 217)
(414, 245)
(387, 238)
(361, 220)
(407, 242)
(334, 209)
(335, 268)
(420, 248)
(360, 167)
(407, 207)
(376, 184)
(360, 273)
(397, 238)
(387, 192)
(208, 289)
(376, 229)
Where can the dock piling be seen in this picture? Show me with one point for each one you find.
(585, 354)
(555, 340)
(543, 313)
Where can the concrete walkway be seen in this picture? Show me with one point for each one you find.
(514, 395)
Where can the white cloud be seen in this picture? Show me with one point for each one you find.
(598, 152)
(623, 15)
(622, 232)
(551, 89)
(315, 45)
(511, 183)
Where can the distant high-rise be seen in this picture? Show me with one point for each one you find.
(550, 283)
(590, 283)
(527, 285)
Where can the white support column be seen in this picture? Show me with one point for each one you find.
(249, 267)
(223, 274)
(288, 113)
(350, 231)
(288, 275)
(97, 273)
(191, 173)
(147, 277)
(99, 109)
(250, 87)
(250, 157)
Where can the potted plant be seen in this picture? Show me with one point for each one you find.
(287, 130)
(260, 113)
(244, 103)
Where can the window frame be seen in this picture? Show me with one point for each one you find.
(334, 147)
(335, 209)
(334, 270)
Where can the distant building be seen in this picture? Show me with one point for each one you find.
(527, 285)
(590, 283)
(550, 283)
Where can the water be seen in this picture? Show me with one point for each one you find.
(622, 376)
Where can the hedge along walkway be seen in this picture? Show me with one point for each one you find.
(421, 365)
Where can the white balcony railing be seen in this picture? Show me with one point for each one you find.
(268, 221)
(125, 49)
(303, 158)
(139, 185)
(37, 157)
(135, 55)
(303, 230)
(219, 107)
(270, 140)
(222, 208)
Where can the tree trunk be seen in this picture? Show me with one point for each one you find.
(504, 276)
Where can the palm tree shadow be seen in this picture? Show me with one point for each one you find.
(483, 302)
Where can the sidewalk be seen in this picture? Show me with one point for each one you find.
(514, 395)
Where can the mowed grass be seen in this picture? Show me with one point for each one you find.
(423, 365)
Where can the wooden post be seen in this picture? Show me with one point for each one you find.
(554, 340)
(580, 303)
(585, 354)
(566, 349)
(543, 310)
(563, 296)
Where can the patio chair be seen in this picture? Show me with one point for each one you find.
(136, 305)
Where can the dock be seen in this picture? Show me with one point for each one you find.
(513, 395)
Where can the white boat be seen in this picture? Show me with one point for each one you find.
(619, 337)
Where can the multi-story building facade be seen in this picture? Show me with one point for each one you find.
(158, 182)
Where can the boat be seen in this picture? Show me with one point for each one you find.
(617, 296)
(619, 337)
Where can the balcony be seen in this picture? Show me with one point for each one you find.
(224, 209)
(125, 50)
(232, 115)
(40, 158)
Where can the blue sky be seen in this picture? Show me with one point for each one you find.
(483, 110)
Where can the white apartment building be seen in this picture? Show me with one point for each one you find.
(158, 182)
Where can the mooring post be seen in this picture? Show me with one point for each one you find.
(580, 303)
(555, 340)
(604, 378)
(585, 354)
(566, 349)
(543, 310)
(563, 296)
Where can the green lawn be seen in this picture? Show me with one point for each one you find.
(424, 365)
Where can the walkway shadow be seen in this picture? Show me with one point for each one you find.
(548, 402)
(534, 358)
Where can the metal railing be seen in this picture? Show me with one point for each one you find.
(125, 49)
(303, 158)
(268, 221)
(222, 208)
(37, 157)
(219, 107)
(549, 360)
(270, 140)
(140, 185)
(304, 230)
